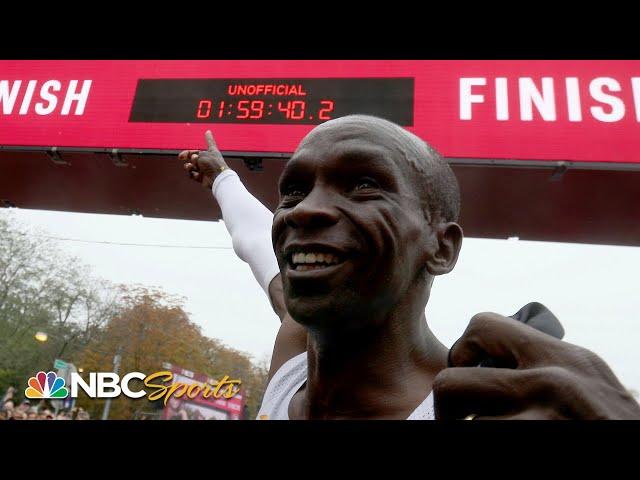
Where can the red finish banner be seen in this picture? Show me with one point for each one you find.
(585, 111)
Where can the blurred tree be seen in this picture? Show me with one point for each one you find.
(152, 328)
(87, 319)
(43, 289)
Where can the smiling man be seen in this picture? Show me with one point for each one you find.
(366, 221)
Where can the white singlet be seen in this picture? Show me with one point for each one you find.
(288, 380)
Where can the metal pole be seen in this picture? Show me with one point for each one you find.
(116, 367)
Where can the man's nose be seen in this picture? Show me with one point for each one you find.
(316, 210)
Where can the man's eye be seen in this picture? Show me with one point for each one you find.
(293, 191)
(366, 184)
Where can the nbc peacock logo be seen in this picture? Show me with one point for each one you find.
(46, 385)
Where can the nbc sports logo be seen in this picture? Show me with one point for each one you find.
(109, 385)
(46, 385)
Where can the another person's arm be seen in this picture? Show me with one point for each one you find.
(540, 377)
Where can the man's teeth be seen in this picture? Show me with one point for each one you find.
(312, 259)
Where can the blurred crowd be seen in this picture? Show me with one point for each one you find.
(40, 410)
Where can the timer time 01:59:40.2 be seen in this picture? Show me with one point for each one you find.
(209, 109)
(301, 101)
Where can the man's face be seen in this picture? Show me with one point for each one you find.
(350, 232)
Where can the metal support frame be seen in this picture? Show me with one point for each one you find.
(254, 160)
(116, 158)
(55, 157)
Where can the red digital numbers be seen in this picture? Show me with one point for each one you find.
(259, 110)
(250, 109)
(257, 107)
(328, 108)
(242, 107)
(294, 110)
(286, 110)
(300, 114)
(204, 109)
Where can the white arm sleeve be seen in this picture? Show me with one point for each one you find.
(249, 223)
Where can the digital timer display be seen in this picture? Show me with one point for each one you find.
(308, 101)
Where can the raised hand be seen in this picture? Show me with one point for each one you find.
(204, 166)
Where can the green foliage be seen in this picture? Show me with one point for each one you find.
(88, 319)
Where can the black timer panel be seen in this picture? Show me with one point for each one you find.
(307, 101)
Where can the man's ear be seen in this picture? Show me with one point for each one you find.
(445, 254)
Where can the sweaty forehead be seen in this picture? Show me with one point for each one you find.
(354, 130)
(338, 140)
